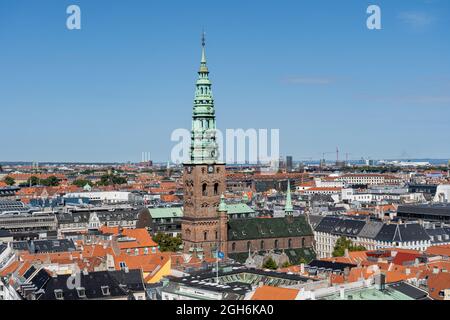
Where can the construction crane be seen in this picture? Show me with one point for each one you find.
(323, 161)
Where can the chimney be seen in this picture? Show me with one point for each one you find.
(346, 254)
(302, 268)
(342, 293)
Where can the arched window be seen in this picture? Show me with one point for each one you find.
(262, 245)
(204, 189)
(276, 244)
(216, 189)
(233, 246)
(217, 235)
(205, 235)
(290, 243)
(249, 245)
(303, 242)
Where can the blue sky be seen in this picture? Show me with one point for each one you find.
(124, 82)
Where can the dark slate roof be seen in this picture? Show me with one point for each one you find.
(104, 216)
(5, 233)
(60, 245)
(120, 284)
(319, 264)
(409, 290)
(371, 229)
(327, 224)
(2, 248)
(45, 246)
(440, 232)
(348, 227)
(257, 228)
(426, 209)
(402, 233)
(315, 220)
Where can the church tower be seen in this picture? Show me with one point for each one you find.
(204, 176)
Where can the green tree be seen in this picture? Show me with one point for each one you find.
(10, 181)
(270, 264)
(82, 182)
(342, 244)
(167, 242)
(51, 181)
(109, 179)
(33, 181)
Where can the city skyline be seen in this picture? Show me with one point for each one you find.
(102, 96)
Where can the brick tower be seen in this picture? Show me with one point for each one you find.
(203, 230)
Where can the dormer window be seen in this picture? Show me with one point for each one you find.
(81, 292)
(105, 290)
(59, 294)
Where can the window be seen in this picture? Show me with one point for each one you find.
(205, 235)
(249, 245)
(122, 265)
(216, 189)
(276, 244)
(204, 189)
(303, 242)
(81, 292)
(217, 235)
(233, 246)
(262, 245)
(105, 290)
(290, 243)
(59, 294)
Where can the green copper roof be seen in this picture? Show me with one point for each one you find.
(222, 205)
(257, 228)
(158, 213)
(288, 207)
(370, 294)
(239, 208)
(204, 148)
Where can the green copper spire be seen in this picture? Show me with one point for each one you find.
(288, 208)
(204, 148)
(222, 205)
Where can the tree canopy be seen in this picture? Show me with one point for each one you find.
(342, 244)
(167, 243)
(110, 179)
(10, 181)
(270, 264)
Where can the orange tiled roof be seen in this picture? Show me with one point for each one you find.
(274, 293)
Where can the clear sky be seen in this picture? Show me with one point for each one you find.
(125, 81)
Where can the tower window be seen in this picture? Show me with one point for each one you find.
(217, 235)
(216, 189)
(303, 242)
(262, 245)
(205, 235)
(249, 245)
(233, 246)
(290, 243)
(204, 186)
(276, 244)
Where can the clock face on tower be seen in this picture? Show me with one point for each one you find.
(189, 169)
(210, 169)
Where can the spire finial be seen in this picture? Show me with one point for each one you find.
(203, 62)
(203, 38)
(288, 209)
